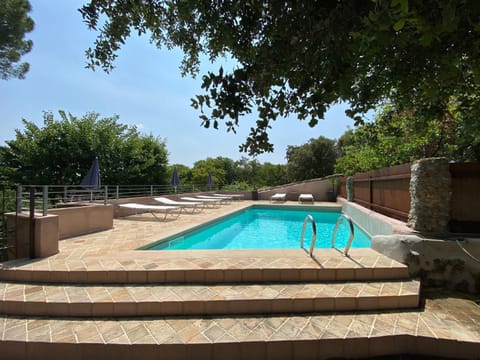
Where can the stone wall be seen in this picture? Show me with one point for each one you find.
(449, 263)
(430, 193)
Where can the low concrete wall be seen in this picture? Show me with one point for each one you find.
(59, 224)
(78, 220)
(372, 222)
(317, 187)
(45, 236)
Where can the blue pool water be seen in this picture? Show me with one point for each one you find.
(265, 228)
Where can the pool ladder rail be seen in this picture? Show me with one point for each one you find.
(309, 218)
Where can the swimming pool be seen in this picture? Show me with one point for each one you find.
(264, 227)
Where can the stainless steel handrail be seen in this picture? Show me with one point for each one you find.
(352, 232)
(314, 236)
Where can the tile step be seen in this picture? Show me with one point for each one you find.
(186, 300)
(316, 336)
(203, 273)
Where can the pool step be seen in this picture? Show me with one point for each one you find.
(292, 265)
(186, 300)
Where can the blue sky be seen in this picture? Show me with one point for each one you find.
(145, 89)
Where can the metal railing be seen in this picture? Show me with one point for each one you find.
(309, 218)
(7, 230)
(352, 232)
(47, 197)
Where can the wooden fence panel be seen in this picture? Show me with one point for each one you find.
(465, 205)
(386, 191)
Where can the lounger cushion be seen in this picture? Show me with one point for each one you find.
(305, 197)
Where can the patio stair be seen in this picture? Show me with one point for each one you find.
(207, 288)
(301, 312)
(87, 300)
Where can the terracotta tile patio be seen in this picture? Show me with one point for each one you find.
(101, 298)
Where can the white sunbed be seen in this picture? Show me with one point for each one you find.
(306, 198)
(141, 208)
(223, 199)
(279, 197)
(183, 204)
(212, 202)
(223, 196)
(233, 196)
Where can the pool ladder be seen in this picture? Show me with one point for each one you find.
(309, 218)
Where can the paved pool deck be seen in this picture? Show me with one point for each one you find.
(443, 323)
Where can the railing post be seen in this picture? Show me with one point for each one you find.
(32, 223)
(19, 199)
(117, 193)
(151, 190)
(45, 200)
(105, 195)
(65, 194)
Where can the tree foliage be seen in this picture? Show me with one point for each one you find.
(259, 175)
(312, 160)
(397, 137)
(218, 167)
(243, 174)
(14, 24)
(300, 57)
(61, 152)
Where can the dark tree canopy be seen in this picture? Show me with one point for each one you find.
(312, 160)
(14, 24)
(397, 137)
(300, 57)
(61, 152)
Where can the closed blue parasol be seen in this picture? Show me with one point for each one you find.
(209, 180)
(175, 181)
(92, 179)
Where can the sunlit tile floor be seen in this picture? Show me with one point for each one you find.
(445, 316)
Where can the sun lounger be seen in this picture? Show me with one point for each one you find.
(153, 209)
(306, 198)
(233, 196)
(279, 197)
(223, 199)
(222, 196)
(212, 202)
(183, 204)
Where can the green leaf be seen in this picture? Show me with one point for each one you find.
(403, 5)
(399, 25)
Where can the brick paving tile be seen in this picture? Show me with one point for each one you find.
(178, 330)
(443, 315)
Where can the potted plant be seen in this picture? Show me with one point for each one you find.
(332, 193)
(350, 188)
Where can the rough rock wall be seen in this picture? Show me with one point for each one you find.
(450, 263)
(430, 192)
